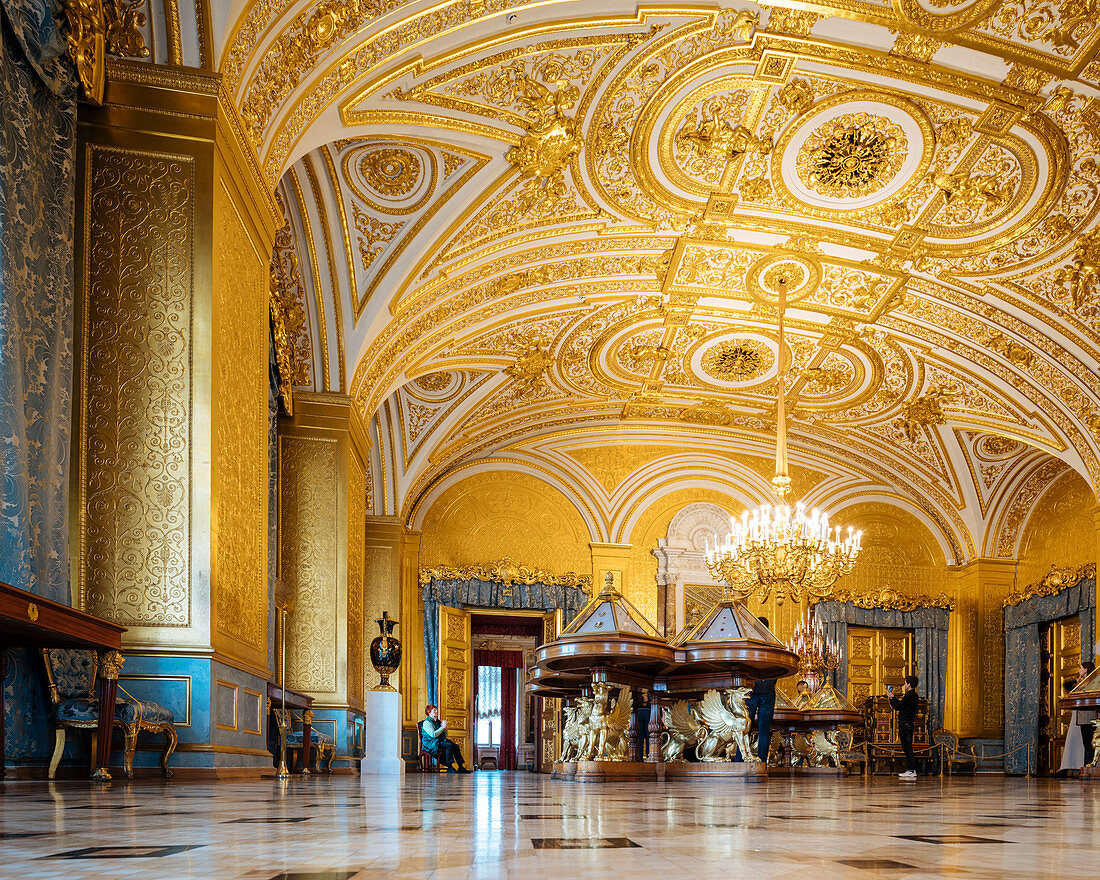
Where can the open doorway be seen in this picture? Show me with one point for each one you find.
(503, 717)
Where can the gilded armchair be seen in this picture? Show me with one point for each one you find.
(951, 754)
(322, 747)
(71, 676)
(848, 754)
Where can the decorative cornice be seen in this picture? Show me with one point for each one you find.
(507, 573)
(1054, 581)
(891, 600)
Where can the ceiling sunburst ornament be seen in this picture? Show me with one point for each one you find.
(852, 156)
(393, 172)
(852, 150)
(738, 360)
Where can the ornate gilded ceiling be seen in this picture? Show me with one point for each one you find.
(521, 235)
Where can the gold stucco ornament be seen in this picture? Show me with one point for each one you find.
(552, 138)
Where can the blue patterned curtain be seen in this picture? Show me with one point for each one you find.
(929, 627)
(37, 185)
(487, 594)
(1022, 674)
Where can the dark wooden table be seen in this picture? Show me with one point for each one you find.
(29, 621)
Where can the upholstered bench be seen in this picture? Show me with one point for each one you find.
(322, 748)
(72, 679)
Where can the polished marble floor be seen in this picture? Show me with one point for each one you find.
(517, 825)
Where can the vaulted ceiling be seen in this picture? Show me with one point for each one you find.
(521, 235)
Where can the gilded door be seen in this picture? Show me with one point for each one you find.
(1061, 651)
(454, 675)
(549, 742)
(877, 658)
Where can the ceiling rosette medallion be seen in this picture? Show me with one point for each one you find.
(852, 151)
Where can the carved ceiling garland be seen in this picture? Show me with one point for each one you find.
(507, 573)
(891, 600)
(1052, 583)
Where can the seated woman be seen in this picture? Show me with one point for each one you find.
(434, 741)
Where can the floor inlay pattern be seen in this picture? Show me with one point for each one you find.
(519, 826)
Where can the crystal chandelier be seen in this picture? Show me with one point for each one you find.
(779, 548)
(817, 654)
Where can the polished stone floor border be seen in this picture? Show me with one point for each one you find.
(520, 826)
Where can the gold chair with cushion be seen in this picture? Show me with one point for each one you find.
(846, 753)
(951, 754)
(71, 675)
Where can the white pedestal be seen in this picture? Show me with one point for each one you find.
(382, 752)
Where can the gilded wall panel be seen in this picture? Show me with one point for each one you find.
(357, 501)
(309, 555)
(136, 387)
(240, 429)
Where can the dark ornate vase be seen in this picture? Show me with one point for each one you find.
(385, 652)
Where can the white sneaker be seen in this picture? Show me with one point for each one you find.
(908, 774)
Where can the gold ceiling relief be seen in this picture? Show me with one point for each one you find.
(391, 171)
(1082, 276)
(552, 139)
(124, 20)
(926, 411)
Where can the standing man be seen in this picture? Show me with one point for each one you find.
(906, 707)
(1085, 717)
(433, 739)
(761, 706)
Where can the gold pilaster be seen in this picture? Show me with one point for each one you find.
(414, 684)
(1096, 558)
(322, 504)
(975, 663)
(175, 232)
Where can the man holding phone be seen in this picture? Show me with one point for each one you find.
(906, 707)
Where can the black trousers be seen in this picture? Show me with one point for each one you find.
(1087, 731)
(905, 731)
(447, 753)
(761, 710)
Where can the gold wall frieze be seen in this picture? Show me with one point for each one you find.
(1052, 583)
(507, 573)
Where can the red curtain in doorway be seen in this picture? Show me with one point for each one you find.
(508, 661)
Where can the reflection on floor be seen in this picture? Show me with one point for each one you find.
(517, 825)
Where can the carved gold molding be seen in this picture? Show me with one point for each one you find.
(891, 600)
(507, 573)
(1054, 581)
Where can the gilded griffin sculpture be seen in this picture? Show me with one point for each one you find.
(682, 729)
(727, 729)
(575, 732)
(608, 725)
